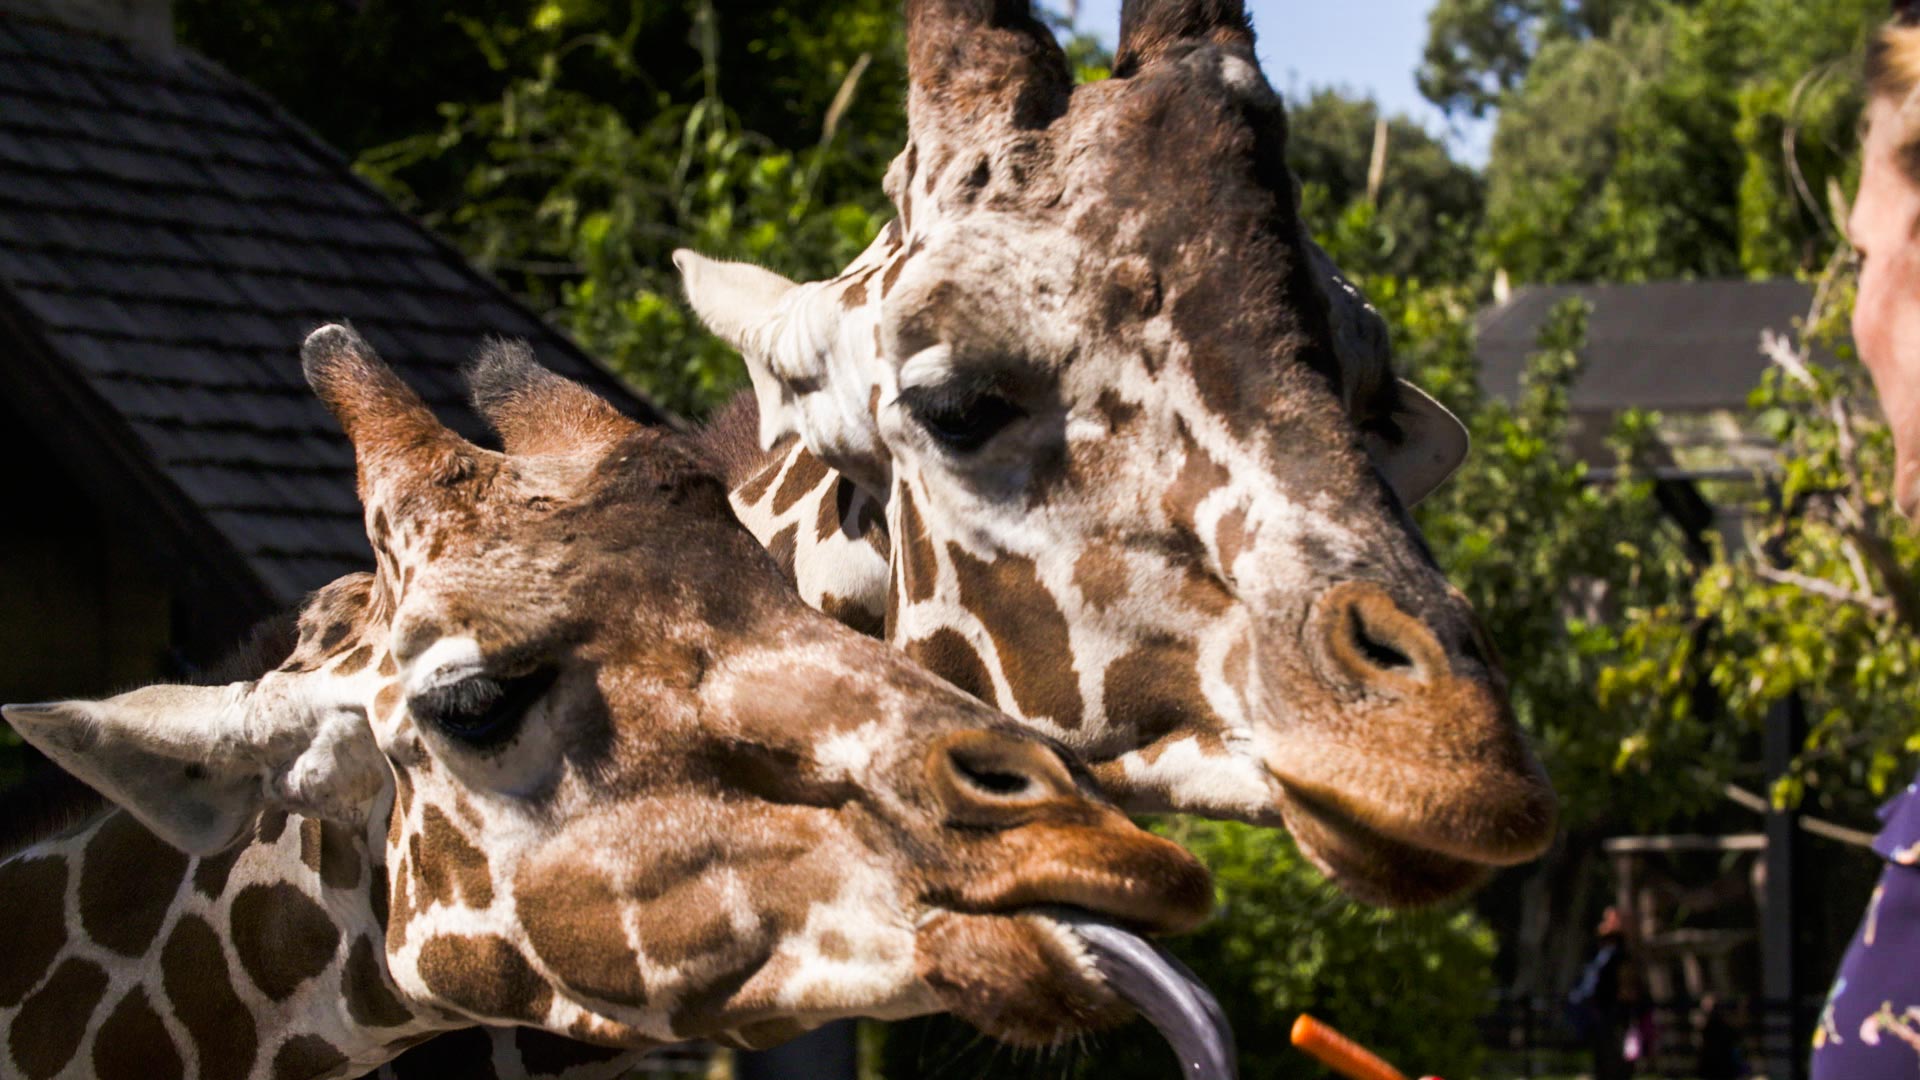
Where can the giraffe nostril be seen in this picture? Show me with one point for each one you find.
(991, 778)
(1367, 641)
(1380, 653)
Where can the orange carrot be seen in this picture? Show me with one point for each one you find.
(1339, 1053)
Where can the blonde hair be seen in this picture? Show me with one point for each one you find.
(1893, 73)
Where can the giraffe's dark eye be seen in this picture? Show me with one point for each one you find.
(482, 711)
(962, 416)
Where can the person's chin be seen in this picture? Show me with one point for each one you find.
(1906, 488)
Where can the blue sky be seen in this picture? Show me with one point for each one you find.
(1367, 46)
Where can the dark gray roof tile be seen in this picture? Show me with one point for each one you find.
(1674, 345)
(175, 236)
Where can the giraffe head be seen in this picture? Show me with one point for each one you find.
(1145, 465)
(622, 784)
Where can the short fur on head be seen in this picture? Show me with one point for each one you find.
(575, 758)
(1143, 462)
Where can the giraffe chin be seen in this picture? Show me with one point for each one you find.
(1372, 867)
(1037, 978)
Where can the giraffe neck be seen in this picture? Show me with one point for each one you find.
(828, 535)
(129, 958)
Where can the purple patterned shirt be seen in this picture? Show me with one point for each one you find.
(1870, 1028)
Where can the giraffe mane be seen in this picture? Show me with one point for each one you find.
(731, 440)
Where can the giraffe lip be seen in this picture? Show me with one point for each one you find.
(1141, 881)
(1371, 865)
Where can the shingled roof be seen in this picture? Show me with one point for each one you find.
(1675, 345)
(167, 238)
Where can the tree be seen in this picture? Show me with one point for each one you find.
(1817, 598)
(1679, 140)
(577, 202)
(1428, 204)
(1479, 50)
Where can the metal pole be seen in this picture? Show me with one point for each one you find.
(828, 1053)
(1782, 974)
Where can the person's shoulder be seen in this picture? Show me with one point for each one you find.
(1899, 839)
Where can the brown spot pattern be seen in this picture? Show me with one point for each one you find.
(270, 826)
(781, 547)
(854, 614)
(400, 909)
(384, 701)
(132, 1043)
(48, 1028)
(831, 512)
(335, 634)
(573, 924)
(304, 1057)
(363, 983)
(331, 850)
(805, 474)
(1154, 691)
(1117, 411)
(1231, 537)
(310, 843)
(485, 976)
(211, 872)
(36, 891)
(1199, 477)
(353, 662)
(949, 655)
(755, 489)
(1101, 576)
(114, 916)
(281, 936)
(1029, 633)
(193, 972)
(450, 867)
(919, 570)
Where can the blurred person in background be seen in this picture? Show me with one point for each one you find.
(1870, 1028)
(1597, 1006)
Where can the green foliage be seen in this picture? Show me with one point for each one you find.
(1654, 143)
(1429, 204)
(1408, 985)
(578, 204)
(1479, 50)
(1816, 598)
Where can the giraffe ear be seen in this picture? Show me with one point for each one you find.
(197, 764)
(806, 379)
(746, 306)
(1433, 442)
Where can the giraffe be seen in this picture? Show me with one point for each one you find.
(1096, 432)
(572, 761)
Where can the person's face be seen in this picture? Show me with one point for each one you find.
(1886, 315)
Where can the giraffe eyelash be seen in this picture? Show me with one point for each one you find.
(482, 711)
(962, 413)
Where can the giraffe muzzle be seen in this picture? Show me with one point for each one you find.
(1405, 773)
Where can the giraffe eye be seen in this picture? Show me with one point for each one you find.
(961, 418)
(483, 711)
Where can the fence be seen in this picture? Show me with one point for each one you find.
(1530, 1039)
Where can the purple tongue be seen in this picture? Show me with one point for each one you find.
(1170, 996)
